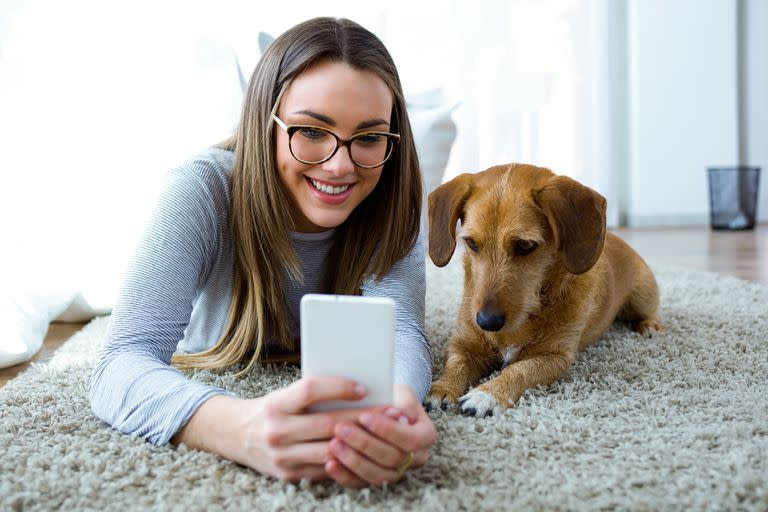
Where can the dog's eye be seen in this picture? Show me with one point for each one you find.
(471, 244)
(523, 247)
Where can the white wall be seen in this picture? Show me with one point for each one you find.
(754, 93)
(683, 114)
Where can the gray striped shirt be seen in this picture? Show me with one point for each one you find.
(176, 294)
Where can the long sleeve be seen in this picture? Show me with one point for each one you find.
(133, 387)
(406, 284)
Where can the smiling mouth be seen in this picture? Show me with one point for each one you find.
(328, 189)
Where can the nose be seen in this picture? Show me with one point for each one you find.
(490, 320)
(340, 163)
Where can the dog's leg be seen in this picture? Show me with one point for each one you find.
(536, 366)
(641, 309)
(466, 363)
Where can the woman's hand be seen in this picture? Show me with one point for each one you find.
(382, 444)
(274, 434)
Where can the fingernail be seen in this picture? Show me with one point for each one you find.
(403, 420)
(361, 390)
(392, 412)
(341, 448)
(345, 430)
(366, 419)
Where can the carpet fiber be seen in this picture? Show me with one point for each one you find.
(678, 421)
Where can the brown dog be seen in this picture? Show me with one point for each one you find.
(542, 280)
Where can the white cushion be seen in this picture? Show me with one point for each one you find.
(434, 133)
(25, 315)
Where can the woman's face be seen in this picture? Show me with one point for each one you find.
(346, 101)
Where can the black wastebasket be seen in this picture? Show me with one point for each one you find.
(733, 197)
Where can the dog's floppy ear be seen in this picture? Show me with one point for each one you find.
(577, 216)
(446, 205)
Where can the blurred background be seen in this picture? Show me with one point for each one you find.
(635, 98)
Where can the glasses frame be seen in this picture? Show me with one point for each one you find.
(291, 129)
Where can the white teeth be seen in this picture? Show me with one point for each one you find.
(327, 189)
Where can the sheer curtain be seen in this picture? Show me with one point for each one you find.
(99, 99)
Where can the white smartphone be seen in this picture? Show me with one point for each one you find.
(353, 337)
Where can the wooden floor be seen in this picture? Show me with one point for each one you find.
(742, 254)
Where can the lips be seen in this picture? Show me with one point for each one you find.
(329, 189)
(330, 193)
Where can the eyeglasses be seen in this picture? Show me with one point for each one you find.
(315, 145)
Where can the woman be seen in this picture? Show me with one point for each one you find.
(318, 191)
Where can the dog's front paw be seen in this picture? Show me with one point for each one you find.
(478, 403)
(648, 327)
(441, 396)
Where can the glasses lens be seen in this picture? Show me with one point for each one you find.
(370, 149)
(312, 145)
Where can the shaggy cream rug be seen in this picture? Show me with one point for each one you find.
(679, 421)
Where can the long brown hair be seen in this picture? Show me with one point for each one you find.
(260, 214)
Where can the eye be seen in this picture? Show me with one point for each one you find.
(524, 247)
(370, 139)
(471, 244)
(312, 133)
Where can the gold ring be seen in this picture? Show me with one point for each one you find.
(405, 465)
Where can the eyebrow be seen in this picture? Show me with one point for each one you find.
(327, 120)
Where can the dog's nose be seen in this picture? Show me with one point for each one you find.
(489, 321)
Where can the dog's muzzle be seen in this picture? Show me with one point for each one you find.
(490, 320)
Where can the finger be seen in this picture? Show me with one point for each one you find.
(420, 458)
(353, 414)
(343, 476)
(406, 403)
(406, 437)
(307, 391)
(310, 472)
(297, 428)
(400, 415)
(375, 449)
(361, 466)
(301, 454)
(412, 410)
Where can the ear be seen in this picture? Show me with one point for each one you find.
(577, 216)
(446, 206)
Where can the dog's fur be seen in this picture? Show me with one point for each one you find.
(537, 304)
